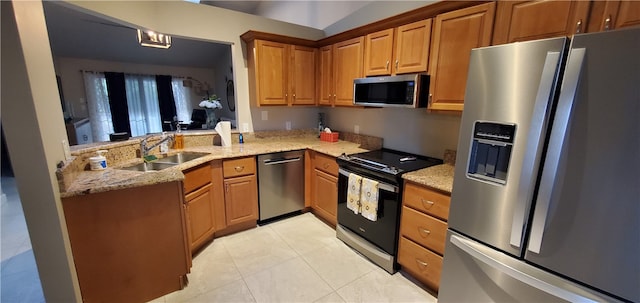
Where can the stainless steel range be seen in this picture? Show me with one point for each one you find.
(376, 239)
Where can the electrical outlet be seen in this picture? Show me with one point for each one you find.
(288, 125)
(356, 129)
(265, 115)
(245, 127)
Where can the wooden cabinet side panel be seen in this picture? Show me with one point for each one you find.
(241, 199)
(412, 47)
(304, 74)
(128, 245)
(347, 65)
(455, 34)
(378, 51)
(308, 175)
(325, 82)
(217, 189)
(272, 68)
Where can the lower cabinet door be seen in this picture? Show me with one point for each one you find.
(420, 262)
(241, 199)
(200, 216)
(325, 195)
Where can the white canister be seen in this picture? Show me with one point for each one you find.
(98, 162)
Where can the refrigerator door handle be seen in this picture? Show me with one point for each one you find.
(552, 163)
(531, 159)
(476, 253)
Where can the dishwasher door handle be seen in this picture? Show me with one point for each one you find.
(281, 161)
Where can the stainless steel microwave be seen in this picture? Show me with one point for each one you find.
(392, 91)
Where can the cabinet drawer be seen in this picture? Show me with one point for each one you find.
(423, 229)
(427, 201)
(239, 167)
(196, 178)
(326, 164)
(420, 262)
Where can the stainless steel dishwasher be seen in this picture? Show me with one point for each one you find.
(280, 183)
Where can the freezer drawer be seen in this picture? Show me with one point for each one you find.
(472, 272)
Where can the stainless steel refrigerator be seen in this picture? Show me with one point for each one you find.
(546, 195)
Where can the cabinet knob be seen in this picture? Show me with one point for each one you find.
(607, 23)
(239, 168)
(422, 263)
(387, 66)
(396, 64)
(424, 231)
(579, 26)
(427, 203)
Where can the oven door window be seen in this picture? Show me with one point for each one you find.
(383, 231)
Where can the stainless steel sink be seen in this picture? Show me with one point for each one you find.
(180, 158)
(149, 166)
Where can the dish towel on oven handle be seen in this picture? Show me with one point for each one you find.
(369, 199)
(353, 193)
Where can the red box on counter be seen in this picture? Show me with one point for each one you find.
(329, 137)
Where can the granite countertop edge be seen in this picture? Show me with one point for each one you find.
(438, 177)
(114, 178)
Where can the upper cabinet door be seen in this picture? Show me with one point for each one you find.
(303, 78)
(325, 82)
(412, 47)
(454, 35)
(378, 53)
(271, 72)
(619, 14)
(347, 65)
(531, 20)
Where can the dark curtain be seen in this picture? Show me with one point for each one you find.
(167, 103)
(118, 102)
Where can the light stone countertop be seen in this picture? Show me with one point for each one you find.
(438, 177)
(112, 178)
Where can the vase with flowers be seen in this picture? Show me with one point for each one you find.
(210, 105)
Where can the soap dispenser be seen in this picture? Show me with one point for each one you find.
(179, 142)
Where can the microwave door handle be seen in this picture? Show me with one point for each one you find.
(553, 163)
(531, 159)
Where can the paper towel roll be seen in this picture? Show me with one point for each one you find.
(223, 128)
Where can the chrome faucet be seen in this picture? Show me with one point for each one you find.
(144, 150)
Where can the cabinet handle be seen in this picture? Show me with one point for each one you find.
(387, 66)
(427, 203)
(226, 187)
(424, 231)
(430, 98)
(422, 263)
(396, 64)
(607, 23)
(579, 26)
(326, 165)
(239, 168)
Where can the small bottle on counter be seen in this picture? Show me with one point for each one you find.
(240, 139)
(179, 139)
(164, 146)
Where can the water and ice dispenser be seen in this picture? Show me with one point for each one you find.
(491, 151)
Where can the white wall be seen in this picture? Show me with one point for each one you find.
(73, 84)
(318, 14)
(34, 128)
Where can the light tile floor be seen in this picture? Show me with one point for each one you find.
(298, 259)
(19, 281)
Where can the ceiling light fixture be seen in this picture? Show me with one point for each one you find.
(153, 39)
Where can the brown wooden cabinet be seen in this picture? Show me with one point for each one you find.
(282, 74)
(129, 245)
(423, 230)
(324, 187)
(339, 64)
(620, 14)
(531, 20)
(199, 205)
(454, 35)
(400, 50)
(240, 191)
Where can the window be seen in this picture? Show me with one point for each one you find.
(182, 97)
(142, 101)
(95, 86)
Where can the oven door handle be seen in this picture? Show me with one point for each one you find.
(381, 185)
